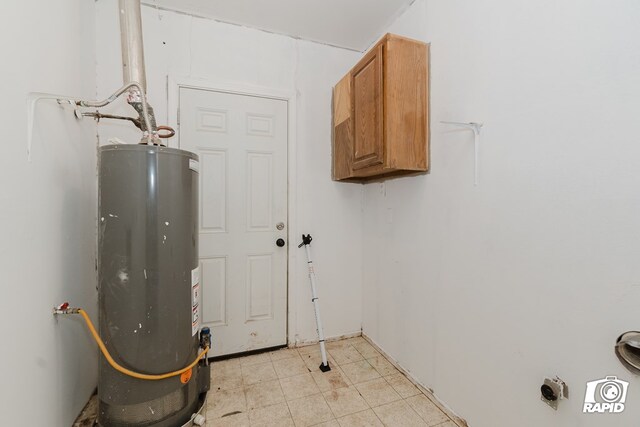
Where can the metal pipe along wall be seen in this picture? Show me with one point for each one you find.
(133, 69)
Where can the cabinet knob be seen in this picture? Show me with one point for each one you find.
(280, 243)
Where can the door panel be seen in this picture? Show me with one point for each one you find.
(242, 144)
(259, 287)
(213, 183)
(259, 191)
(367, 111)
(213, 272)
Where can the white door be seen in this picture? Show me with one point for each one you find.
(242, 144)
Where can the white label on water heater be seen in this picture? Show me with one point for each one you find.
(195, 300)
(194, 165)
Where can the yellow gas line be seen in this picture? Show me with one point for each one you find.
(124, 370)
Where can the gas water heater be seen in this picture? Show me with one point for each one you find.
(153, 366)
(149, 285)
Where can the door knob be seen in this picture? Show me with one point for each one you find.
(280, 243)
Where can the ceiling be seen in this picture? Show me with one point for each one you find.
(352, 24)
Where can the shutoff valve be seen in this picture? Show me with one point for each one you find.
(205, 337)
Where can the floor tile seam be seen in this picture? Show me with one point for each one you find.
(361, 396)
(444, 422)
(361, 353)
(365, 410)
(416, 412)
(395, 399)
(260, 381)
(325, 402)
(289, 410)
(387, 383)
(246, 400)
(386, 360)
(229, 391)
(386, 378)
(407, 403)
(312, 379)
(351, 361)
(432, 402)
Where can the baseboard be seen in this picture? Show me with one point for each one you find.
(460, 422)
(326, 339)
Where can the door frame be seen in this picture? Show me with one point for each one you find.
(175, 83)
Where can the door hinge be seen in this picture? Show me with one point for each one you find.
(178, 116)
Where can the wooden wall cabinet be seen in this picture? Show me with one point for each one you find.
(380, 113)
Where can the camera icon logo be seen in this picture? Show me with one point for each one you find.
(605, 395)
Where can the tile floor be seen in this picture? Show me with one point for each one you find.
(286, 388)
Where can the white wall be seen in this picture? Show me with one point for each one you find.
(180, 46)
(48, 225)
(482, 291)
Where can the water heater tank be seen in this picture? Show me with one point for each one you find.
(148, 291)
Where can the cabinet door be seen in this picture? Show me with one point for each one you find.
(368, 147)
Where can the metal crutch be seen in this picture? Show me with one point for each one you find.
(306, 242)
